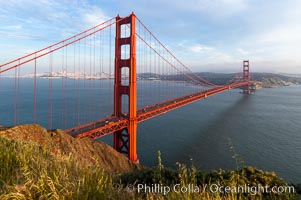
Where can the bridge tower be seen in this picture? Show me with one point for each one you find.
(246, 77)
(125, 140)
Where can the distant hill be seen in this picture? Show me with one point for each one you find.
(266, 80)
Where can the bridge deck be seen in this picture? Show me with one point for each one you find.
(109, 125)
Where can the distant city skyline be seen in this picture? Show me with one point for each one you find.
(207, 35)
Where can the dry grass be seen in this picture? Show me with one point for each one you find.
(83, 150)
(32, 171)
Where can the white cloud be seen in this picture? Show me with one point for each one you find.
(12, 27)
(200, 48)
(94, 16)
(241, 51)
(29, 25)
(213, 8)
(223, 8)
(49, 16)
(200, 53)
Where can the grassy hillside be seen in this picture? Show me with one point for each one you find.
(80, 150)
(29, 171)
(34, 170)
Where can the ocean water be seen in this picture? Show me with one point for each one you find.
(263, 128)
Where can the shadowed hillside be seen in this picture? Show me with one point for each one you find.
(62, 144)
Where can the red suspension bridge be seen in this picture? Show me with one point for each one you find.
(89, 88)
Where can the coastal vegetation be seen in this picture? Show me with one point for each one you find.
(30, 169)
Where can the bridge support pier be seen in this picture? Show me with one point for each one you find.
(246, 77)
(125, 140)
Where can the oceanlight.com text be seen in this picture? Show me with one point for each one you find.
(212, 188)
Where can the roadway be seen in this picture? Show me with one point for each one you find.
(111, 124)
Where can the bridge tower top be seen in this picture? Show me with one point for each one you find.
(246, 76)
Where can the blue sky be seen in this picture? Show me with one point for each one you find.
(207, 35)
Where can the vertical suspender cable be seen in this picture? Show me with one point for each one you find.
(50, 92)
(19, 96)
(78, 85)
(35, 93)
(15, 98)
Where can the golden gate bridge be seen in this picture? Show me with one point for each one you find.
(121, 56)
